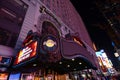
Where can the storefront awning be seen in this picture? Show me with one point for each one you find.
(72, 50)
(70, 65)
(73, 58)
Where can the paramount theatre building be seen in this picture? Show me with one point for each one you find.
(46, 37)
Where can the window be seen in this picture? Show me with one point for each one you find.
(48, 3)
(12, 13)
(41, 0)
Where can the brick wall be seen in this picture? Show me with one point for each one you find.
(28, 23)
(67, 13)
(64, 10)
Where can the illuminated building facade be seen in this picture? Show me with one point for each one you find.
(12, 15)
(60, 29)
(109, 10)
(105, 63)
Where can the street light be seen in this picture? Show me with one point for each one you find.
(116, 54)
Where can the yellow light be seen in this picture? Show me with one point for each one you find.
(116, 54)
(80, 63)
(68, 65)
(78, 42)
(94, 46)
(60, 62)
(49, 43)
(73, 59)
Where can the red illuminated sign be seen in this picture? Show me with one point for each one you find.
(26, 53)
(3, 76)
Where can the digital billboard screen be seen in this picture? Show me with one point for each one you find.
(27, 76)
(14, 76)
(104, 59)
(5, 61)
(28, 52)
(3, 76)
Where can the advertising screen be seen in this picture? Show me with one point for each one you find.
(104, 59)
(27, 76)
(3, 76)
(14, 76)
(26, 53)
(5, 61)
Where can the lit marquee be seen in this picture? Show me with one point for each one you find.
(26, 53)
(103, 60)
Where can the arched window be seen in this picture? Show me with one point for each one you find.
(12, 13)
(49, 28)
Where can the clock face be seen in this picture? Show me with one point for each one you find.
(49, 43)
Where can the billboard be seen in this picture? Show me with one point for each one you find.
(14, 76)
(103, 60)
(5, 61)
(28, 52)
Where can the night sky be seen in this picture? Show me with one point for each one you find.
(91, 15)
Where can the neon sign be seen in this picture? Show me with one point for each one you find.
(26, 53)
